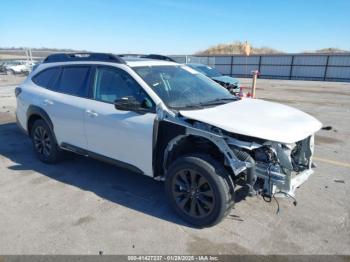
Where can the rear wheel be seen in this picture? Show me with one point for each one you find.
(44, 142)
(199, 190)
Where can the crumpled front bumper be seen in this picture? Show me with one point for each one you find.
(298, 180)
(292, 183)
(284, 178)
(285, 184)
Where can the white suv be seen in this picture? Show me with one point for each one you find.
(166, 121)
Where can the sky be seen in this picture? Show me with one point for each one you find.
(174, 26)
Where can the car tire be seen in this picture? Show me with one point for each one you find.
(199, 190)
(44, 143)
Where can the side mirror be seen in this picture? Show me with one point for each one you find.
(129, 103)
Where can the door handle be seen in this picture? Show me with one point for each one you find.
(91, 113)
(47, 102)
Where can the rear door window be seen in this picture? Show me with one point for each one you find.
(47, 77)
(74, 80)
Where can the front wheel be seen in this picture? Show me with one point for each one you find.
(199, 189)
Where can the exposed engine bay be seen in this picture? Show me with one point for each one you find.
(268, 167)
(283, 167)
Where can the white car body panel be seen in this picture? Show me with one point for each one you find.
(21, 110)
(66, 113)
(121, 135)
(150, 63)
(258, 118)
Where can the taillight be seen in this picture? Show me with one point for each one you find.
(18, 90)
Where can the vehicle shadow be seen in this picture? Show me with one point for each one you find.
(112, 183)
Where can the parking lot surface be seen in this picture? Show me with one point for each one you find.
(83, 206)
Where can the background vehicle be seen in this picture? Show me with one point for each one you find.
(19, 67)
(2, 68)
(169, 122)
(230, 83)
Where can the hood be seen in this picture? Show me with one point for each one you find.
(226, 79)
(258, 118)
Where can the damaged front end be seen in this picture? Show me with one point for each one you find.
(284, 167)
(271, 167)
(233, 88)
(268, 167)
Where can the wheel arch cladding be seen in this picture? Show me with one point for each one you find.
(34, 113)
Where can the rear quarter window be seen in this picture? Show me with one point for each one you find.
(47, 77)
(74, 81)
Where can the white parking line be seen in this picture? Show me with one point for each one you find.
(332, 162)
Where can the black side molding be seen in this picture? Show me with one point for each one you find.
(99, 157)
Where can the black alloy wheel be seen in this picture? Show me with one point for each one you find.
(199, 189)
(42, 141)
(193, 194)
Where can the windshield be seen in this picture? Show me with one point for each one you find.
(182, 87)
(207, 70)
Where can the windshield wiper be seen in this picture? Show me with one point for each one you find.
(201, 105)
(195, 106)
(219, 101)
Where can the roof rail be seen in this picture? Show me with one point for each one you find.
(150, 56)
(70, 57)
(159, 57)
